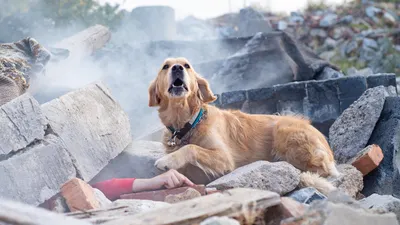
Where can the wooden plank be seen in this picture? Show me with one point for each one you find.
(241, 203)
(16, 213)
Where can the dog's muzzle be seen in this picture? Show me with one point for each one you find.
(177, 86)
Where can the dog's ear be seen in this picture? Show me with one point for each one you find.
(154, 100)
(205, 93)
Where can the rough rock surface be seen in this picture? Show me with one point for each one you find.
(139, 206)
(306, 195)
(36, 175)
(186, 195)
(328, 213)
(224, 220)
(382, 203)
(92, 126)
(21, 123)
(350, 180)
(141, 154)
(101, 198)
(350, 133)
(279, 177)
(385, 179)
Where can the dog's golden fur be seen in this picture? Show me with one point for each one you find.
(227, 139)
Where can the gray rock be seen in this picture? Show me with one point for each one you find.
(329, 73)
(279, 177)
(328, 213)
(138, 206)
(21, 123)
(372, 10)
(282, 25)
(37, 174)
(363, 72)
(92, 126)
(346, 19)
(14, 212)
(330, 43)
(351, 46)
(370, 43)
(224, 220)
(307, 195)
(350, 180)
(328, 20)
(318, 33)
(382, 203)
(138, 158)
(385, 179)
(351, 131)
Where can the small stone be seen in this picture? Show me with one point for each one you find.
(350, 47)
(389, 18)
(327, 55)
(371, 11)
(367, 159)
(328, 20)
(350, 180)
(307, 195)
(383, 203)
(370, 43)
(318, 33)
(282, 25)
(329, 73)
(224, 220)
(346, 19)
(188, 194)
(330, 43)
(279, 177)
(350, 133)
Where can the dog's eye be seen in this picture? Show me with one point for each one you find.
(166, 66)
(187, 66)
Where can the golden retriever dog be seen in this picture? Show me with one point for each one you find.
(219, 141)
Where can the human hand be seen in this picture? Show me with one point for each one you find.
(170, 179)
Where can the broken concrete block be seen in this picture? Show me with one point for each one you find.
(306, 195)
(79, 195)
(37, 174)
(237, 202)
(21, 123)
(382, 203)
(279, 177)
(160, 195)
(190, 193)
(350, 180)
(92, 126)
(224, 220)
(141, 154)
(367, 159)
(325, 212)
(117, 210)
(350, 133)
(385, 179)
(14, 212)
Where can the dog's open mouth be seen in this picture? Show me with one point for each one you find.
(178, 87)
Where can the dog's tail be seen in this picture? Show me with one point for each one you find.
(310, 179)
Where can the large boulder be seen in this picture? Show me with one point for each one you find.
(350, 133)
(385, 179)
(279, 177)
(92, 126)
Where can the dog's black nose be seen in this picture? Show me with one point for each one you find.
(177, 68)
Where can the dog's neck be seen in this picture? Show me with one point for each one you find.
(178, 112)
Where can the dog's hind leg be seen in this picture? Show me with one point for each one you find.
(214, 162)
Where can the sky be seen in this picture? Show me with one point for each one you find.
(204, 9)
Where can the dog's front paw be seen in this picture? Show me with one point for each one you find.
(167, 162)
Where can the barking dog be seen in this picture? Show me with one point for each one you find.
(217, 141)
